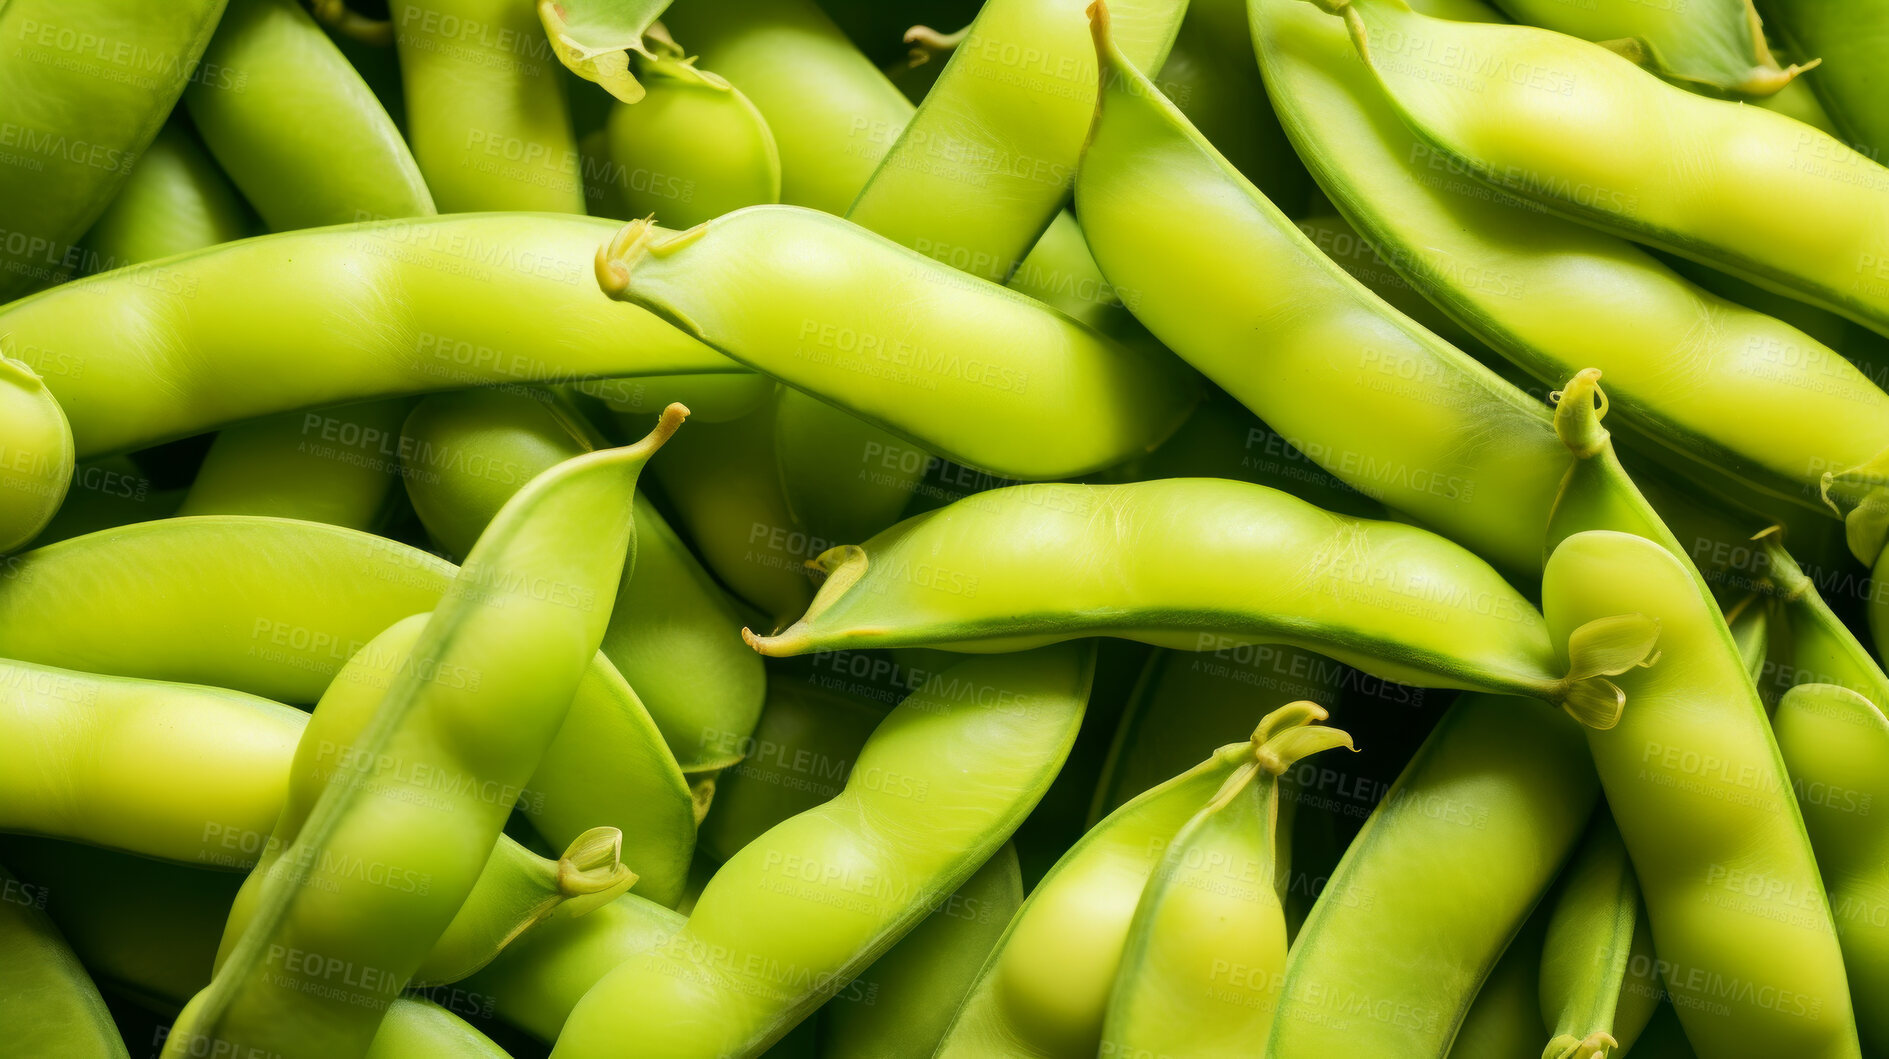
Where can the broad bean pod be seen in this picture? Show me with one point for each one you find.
(37, 455)
(175, 200)
(1402, 938)
(1836, 745)
(1201, 563)
(242, 588)
(803, 909)
(1597, 990)
(52, 1008)
(700, 146)
(1504, 1022)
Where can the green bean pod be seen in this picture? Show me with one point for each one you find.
(1717, 46)
(1596, 991)
(1206, 950)
(1430, 893)
(1001, 384)
(1377, 400)
(799, 912)
(1198, 564)
(899, 1007)
(486, 112)
(673, 632)
(1211, 76)
(1504, 1022)
(242, 587)
(1554, 134)
(175, 200)
(1694, 373)
(1696, 785)
(693, 148)
(333, 465)
(107, 493)
(52, 1009)
(473, 693)
(287, 104)
(149, 929)
(1046, 990)
(37, 455)
(1836, 745)
(1849, 39)
(83, 90)
(159, 351)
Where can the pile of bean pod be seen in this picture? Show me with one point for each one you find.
(881, 529)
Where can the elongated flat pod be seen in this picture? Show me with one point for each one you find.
(1196, 564)
(1688, 370)
(801, 910)
(1228, 282)
(52, 1007)
(1597, 988)
(993, 379)
(37, 450)
(1504, 1022)
(1853, 41)
(1588, 133)
(322, 317)
(274, 607)
(1695, 782)
(1718, 45)
(334, 465)
(1836, 745)
(1205, 954)
(111, 70)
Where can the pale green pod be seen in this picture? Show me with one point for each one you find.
(171, 348)
(149, 930)
(1589, 134)
(49, 1005)
(335, 465)
(691, 149)
(295, 127)
(1849, 39)
(83, 90)
(176, 199)
(939, 787)
(1836, 744)
(1394, 411)
(226, 601)
(1717, 46)
(1503, 1022)
(1432, 890)
(36, 452)
(485, 107)
(1597, 988)
(980, 374)
(899, 1007)
(1006, 117)
(411, 765)
(1695, 782)
(1691, 372)
(674, 635)
(1200, 564)
(1205, 955)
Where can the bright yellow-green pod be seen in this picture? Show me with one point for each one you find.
(1430, 892)
(295, 127)
(1850, 40)
(486, 110)
(1201, 564)
(1598, 987)
(691, 149)
(985, 376)
(1740, 917)
(83, 89)
(1836, 744)
(274, 607)
(331, 465)
(800, 911)
(1205, 955)
(1227, 281)
(1717, 45)
(1689, 371)
(1579, 128)
(175, 200)
(36, 452)
(50, 1005)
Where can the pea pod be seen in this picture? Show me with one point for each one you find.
(1196, 564)
(52, 1008)
(111, 70)
(1836, 744)
(175, 200)
(242, 588)
(1503, 1022)
(1001, 383)
(333, 465)
(1401, 938)
(1206, 949)
(691, 149)
(799, 912)
(673, 632)
(1849, 40)
(1717, 46)
(1557, 139)
(1046, 989)
(39, 452)
(1399, 414)
(1596, 994)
